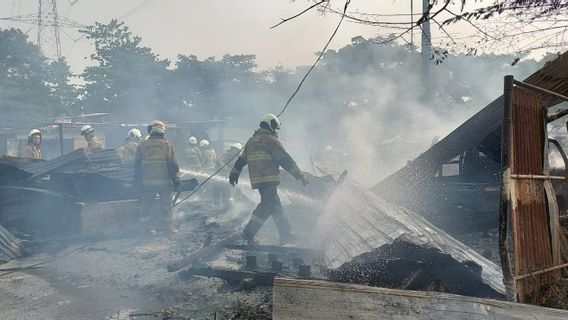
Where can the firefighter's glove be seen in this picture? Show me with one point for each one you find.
(304, 179)
(177, 183)
(234, 178)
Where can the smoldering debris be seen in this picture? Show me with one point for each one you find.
(403, 265)
(370, 241)
(10, 246)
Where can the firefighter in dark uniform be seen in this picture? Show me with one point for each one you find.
(264, 155)
(156, 171)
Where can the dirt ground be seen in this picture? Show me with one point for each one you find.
(126, 278)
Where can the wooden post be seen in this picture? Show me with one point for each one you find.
(61, 137)
(508, 280)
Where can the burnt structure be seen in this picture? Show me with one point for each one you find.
(459, 178)
(45, 197)
(493, 171)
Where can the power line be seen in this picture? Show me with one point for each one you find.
(135, 9)
(347, 2)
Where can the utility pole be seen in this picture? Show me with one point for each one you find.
(426, 36)
(412, 24)
(427, 51)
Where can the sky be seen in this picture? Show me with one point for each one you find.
(211, 27)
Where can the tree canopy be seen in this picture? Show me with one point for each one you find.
(31, 87)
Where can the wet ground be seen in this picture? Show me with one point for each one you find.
(115, 279)
(126, 277)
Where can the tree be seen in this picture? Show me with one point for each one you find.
(509, 26)
(127, 80)
(32, 88)
(216, 88)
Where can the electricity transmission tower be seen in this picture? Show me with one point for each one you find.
(48, 39)
(48, 24)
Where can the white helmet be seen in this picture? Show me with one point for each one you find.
(328, 148)
(32, 133)
(203, 143)
(237, 145)
(192, 140)
(272, 121)
(134, 134)
(87, 129)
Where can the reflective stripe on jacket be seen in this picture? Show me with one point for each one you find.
(264, 155)
(193, 158)
(209, 158)
(155, 163)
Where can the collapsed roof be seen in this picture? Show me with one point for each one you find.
(482, 131)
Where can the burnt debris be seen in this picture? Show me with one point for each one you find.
(403, 265)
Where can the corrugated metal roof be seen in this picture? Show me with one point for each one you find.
(105, 162)
(553, 76)
(10, 246)
(355, 221)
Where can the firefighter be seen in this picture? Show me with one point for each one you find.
(264, 154)
(231, 152)
(222, 194)
(193, 156)
(208, 154)
(127, 151)
(32, 150)
(156, 171)
(93, 142)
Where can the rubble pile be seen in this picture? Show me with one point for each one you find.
(403, 265)
(356, 223)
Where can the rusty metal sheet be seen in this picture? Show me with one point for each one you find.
(552, 76)
(531, 236)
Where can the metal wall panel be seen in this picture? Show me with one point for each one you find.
(531, 236)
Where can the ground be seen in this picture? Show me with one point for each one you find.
(126, 278)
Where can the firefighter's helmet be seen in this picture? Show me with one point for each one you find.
(87, 129)
(192, 140)
(272, 121)
(32, 133)
(237, 145)
(158, 127)
(134, 134)
(204, 143)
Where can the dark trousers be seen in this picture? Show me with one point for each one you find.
(269, 206)
(147, 199)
